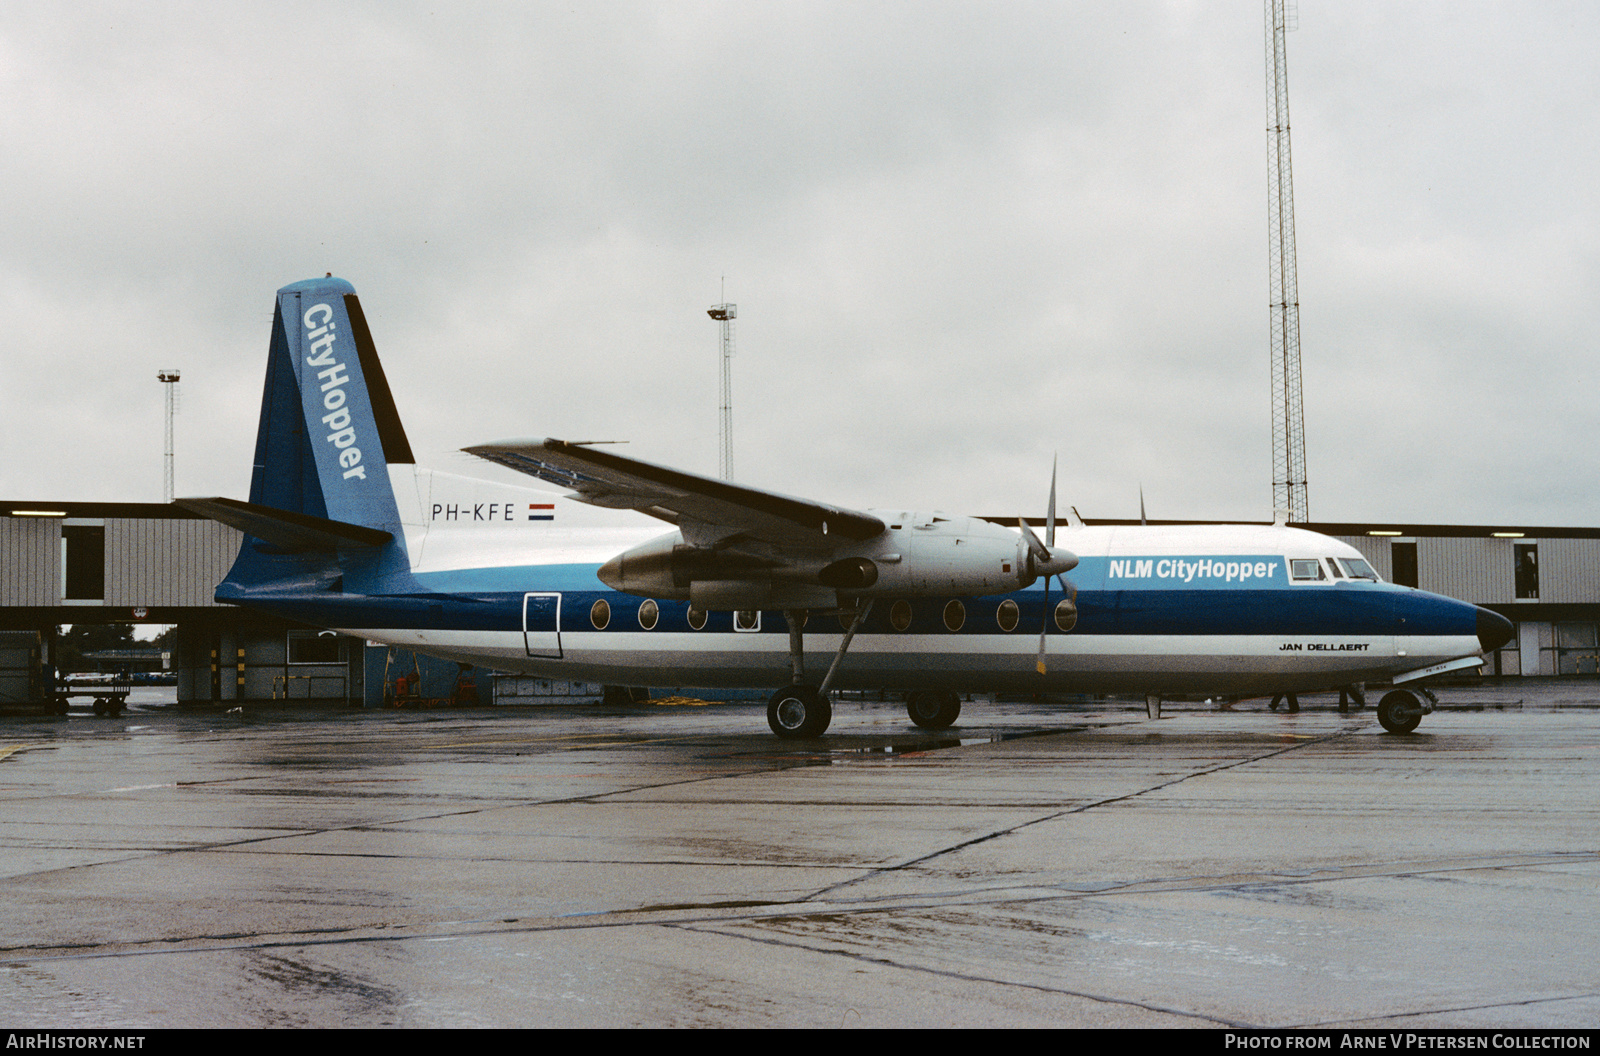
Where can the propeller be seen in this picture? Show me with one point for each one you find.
(1044, 560)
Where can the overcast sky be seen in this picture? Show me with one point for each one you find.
(961, 236)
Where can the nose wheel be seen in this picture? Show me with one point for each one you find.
(1400, 711)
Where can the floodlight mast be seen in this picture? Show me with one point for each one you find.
(169, 377)
(1288, 416)
(725, 314)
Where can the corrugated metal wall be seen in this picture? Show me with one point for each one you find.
(30, 561)
(170, 561)
(1569, 570)
(1477, 570)
(156, 561)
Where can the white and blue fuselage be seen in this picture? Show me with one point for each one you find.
(510, 581)
(751, 588)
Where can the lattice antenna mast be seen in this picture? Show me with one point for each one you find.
(725, 314)
(1288, 417)
(169, 377)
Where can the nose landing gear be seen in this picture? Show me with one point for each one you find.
(1401, 710)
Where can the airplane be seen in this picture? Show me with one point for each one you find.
(575, 579)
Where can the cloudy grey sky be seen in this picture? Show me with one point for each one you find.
(962, 236)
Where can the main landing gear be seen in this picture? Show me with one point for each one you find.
(797, 710)
(933, 709)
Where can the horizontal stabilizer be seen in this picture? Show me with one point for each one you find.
(292, 531)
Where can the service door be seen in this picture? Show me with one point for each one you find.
(541, 624)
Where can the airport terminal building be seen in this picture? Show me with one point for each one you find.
(151, 563)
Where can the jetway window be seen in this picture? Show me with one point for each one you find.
(83, 562)
(1403, 563)
(1526, 556)
(1577, 649)
(311, 647)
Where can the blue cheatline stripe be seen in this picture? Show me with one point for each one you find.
(1351, 609)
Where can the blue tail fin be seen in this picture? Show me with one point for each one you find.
(329, 428)
(329, 432)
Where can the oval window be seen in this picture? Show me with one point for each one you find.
(649, 613)
(1067, 614)
(955, 615)
(747, 620)
(600, 614)
(697, 618)
(1006, 615)
(900, 615)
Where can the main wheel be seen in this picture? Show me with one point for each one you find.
(1399, 711)
(799, 711)
(933, 709)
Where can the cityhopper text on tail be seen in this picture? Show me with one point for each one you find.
(574, 577)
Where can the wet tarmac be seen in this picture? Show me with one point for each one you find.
(679, 866)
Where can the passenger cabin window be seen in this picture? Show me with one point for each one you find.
(1357, 568)
(1305, 570)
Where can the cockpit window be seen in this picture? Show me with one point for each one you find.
(1333, 568)
(1357, 568)
(1306, 569)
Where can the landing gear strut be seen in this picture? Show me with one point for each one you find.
(798, 710)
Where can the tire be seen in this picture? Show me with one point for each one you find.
(1399, 712)
(796, 712)
(933, 709)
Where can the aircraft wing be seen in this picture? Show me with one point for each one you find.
(709, 512)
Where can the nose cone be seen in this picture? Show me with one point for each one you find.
(1494, 630)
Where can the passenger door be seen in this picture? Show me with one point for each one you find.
(541, 624)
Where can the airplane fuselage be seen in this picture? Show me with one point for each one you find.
(509, 578)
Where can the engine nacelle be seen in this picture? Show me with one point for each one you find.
(917, 556)
(931, 554)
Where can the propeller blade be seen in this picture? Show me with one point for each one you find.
(1050, 518)
(1035, 547)
(1044, 625)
